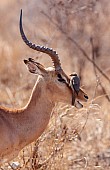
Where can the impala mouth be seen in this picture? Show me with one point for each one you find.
(78, 105)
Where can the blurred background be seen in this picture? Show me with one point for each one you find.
(80, 33)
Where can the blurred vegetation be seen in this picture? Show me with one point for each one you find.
(74, 139)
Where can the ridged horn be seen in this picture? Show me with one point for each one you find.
(49, 51)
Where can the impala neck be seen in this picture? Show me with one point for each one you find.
(36, 114)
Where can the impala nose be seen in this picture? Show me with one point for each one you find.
(86, 97)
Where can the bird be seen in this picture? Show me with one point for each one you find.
(75, 85)
(75, 82)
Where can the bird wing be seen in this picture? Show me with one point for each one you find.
(75, 83)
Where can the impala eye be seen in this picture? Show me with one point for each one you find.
(61, 79)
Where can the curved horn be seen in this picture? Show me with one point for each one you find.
(49, 51)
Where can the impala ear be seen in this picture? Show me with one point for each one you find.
(35, 67)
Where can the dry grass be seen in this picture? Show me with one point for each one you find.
(74, 139)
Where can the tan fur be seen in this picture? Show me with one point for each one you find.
(19, 128)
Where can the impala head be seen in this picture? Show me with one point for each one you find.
(56, 81)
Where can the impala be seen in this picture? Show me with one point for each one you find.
(20, 127)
